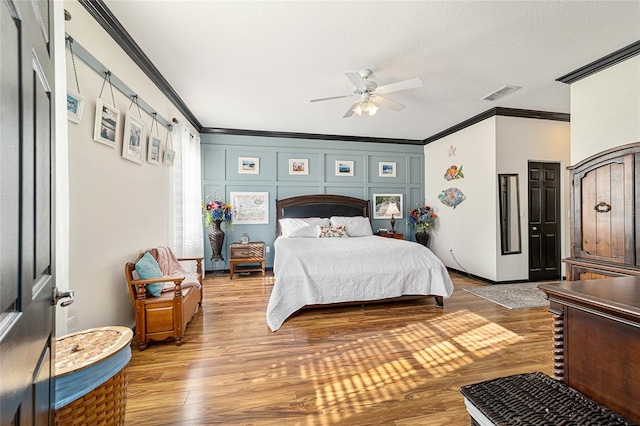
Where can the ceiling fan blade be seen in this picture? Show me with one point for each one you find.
(350, 111)
(400, 85)
(356, 79)
(388, 103)
(331, 97)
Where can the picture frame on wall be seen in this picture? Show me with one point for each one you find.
(169, 157)
(381, 204)
(134, 136)
(387, 169)
(154, 149)
(344, 168)
(248, 165)
(75, 106)
(250, 207)
(107, 124)
(298, 166)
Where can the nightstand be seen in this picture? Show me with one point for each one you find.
(249, 257)
(396, 235)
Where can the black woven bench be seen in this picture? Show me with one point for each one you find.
(534, 399)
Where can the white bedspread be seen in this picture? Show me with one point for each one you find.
(311, 271)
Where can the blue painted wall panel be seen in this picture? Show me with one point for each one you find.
(220, 175)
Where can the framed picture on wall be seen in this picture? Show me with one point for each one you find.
(75, 106)
(250, 207)
(107, 124)
(169, 157)
(387, 169)
(344, 168)
(386, 204)
(132, 145)
(298, 166)
(249, 165)
(153, 149)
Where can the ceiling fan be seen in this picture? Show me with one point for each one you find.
(370, 95)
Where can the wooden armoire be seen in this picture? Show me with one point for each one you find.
(605, 234)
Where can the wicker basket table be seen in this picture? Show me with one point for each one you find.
(534, 399)
(91, 376)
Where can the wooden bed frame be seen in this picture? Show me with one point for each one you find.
(327, 205)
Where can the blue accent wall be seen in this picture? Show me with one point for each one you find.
(220, 176)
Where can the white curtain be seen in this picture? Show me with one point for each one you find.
(186, 230)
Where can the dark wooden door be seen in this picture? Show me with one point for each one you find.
(544, 221)
(27, 315)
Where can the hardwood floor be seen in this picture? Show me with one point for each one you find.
(392, 364)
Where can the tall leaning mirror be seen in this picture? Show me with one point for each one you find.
(509, 213)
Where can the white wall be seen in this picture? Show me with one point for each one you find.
(518, 141)
(117, 208)
(495, 145)
(469, 229)
(605, 110)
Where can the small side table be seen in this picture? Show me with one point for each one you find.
(249, 257)
(396, 235)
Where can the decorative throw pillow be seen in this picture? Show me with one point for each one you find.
(301, 227)
(331, 231)
(357, 226)
(147, 268)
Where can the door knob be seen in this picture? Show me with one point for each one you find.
(535, 228)
(57, 295)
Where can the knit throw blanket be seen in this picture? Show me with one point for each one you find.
(170, 267)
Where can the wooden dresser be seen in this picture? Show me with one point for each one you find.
(605, 233)
(596, 340)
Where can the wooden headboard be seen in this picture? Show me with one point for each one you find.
(320, 205)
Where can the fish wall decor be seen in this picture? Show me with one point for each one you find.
(454, 172)
(451, 197)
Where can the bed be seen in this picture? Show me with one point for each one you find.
(358, 267)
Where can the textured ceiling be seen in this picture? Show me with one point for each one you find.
(255, 65)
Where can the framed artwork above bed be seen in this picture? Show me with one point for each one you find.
(344, 168)
(382, 202)
(298, 166)
(249, 165)
(387, 169)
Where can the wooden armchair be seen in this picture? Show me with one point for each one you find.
(158, 318)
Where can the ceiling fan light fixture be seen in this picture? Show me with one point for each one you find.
(358, 109)
(373, 109)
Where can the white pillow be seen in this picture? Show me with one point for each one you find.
(301, 227)
(357, 226)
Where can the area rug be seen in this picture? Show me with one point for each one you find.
(512, 296)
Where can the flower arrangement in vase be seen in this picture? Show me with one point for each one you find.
(214, 213)
(422, 218)
(217, 211)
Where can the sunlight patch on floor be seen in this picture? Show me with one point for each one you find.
(438, 347)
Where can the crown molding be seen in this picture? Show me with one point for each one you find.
(317, 136)
(114, 28)
(605, 62)
(507, 112)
